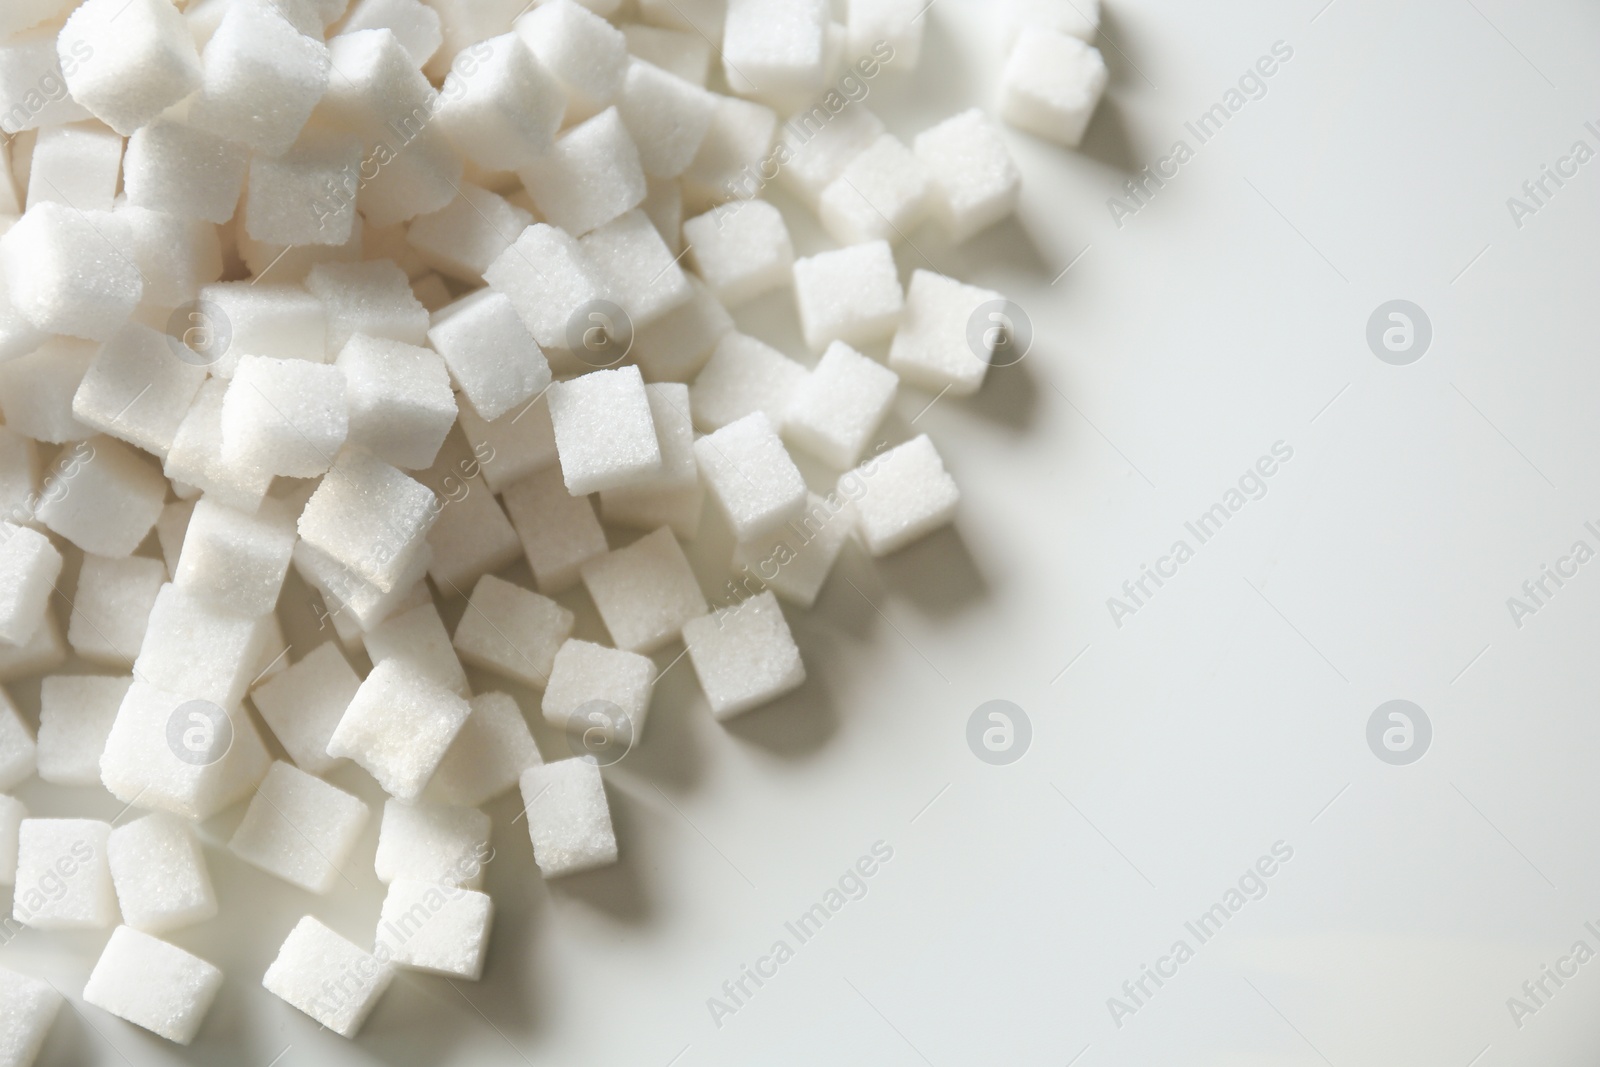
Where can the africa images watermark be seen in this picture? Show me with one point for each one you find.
(1537, 992)
(1538, 591)
(1538, 191)
(51, 88)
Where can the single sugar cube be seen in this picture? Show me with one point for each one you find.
(111, 608)
(160, 874)
(686, 54)
(680, 473)
(645, 592)
(605, 436)
(465, 236)
(472, 537)
(184, 170)
(889, 30)
(153, 984)
(559, 531)
(28, 1008)
(742, 250)
(775, 49)
(12, 812)
(418, 636)
(587, 54)
(17, 748)
(900, 496)
(491, 355)
(304, 703)
(400, 401)
(590, 177)
(439, 929)
(75, 716)
(882, 195)
(505, 113)
(744, 656)
(327, 977)
(569, 821)
(635, 265)
(194, 647)
(751, 476)
(306, 196)
(821, 139)
(548, 280)
(728, 165)
(488, 756)
(29, 567)
(414, 24)
(236, 561)
(261, 319)
(645, 507)
(973, 181)
(285, 416)
(262, 78)
(439, 843)
(851, 295)
(45, 652)
(511, 631)
(143, 60)
(795, 561)
(840, 405)
(66, 271)
(30, 76)
(299, 828)
(744, 375)
(75, 165)
(398, 727)
(586, 675)
(667, 116)
(108, 502)
(376, 92)
(195, 457)
(1051, 85)
(36, 390)
(372, 298)
(63, 878)
(138, 389)
(948, 335)
(369, 518)
(175, 255)
(677, 345)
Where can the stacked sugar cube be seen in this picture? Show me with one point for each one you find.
(425, 304)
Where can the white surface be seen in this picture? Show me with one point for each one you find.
(1216, 722)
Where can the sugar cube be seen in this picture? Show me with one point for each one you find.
(881, 195)
(111, 608)
(742, 250)
(415, 25)
(751, 476)
(368, 604)
(304, 703)
(372, 298)
(645, 592)
(153, 984)
(398, 727)
(821, 139)
(472, 537)
(677, 345)
(440, 929)
(504, 114)
(587, 54)
(19, 476)
(417, 635)
(744, 375)
(327, 977)
(306, 195)
(512, 631)
(175, 256)
(744, 655)
(377, 93)
(663, 206)
(75, 716)
(605, 436)
(667, 116)
(195, 456)
(569, 821)
(160, 874)
(900, 496)
(67, 271)
(138, 389)
(369, 518)
(299, 828)
(76, 165)
(889, 30)
(282, 321)
(468, 234)
(36, 390)
(636, 267)
(439, 843)
(28, 1007)
(685, 54)
(491, 355)
(795, 561)
(729, 164)
(674, 497)
(1051, 85)
(645, 507)
(850, 294)
(63, 879)
(262, 79)
(284, 416)
(948, 334)
(17, 748)
(775, 49)
(12, 812)
(399, 397)
(584, 674)
(170, 528)
(194, 647)
(591, 176)
(236, 561)
(32, 81)
(29, 566)
(45, 652)
(840, 405)
(143, 60)
(488, 756)
(107, 503)
(548, 279)
(973, 181)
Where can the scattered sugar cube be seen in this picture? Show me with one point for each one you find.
(583, 673)
(236, 561)
(548, 280)
(372, 298)
(744, 656)
(728, 165)
(440, 929)
(306, 196)
(376, 92)
(645, 592)
(196, 453)
(438, 843)
(369, 518)
(973, 181)
(488, 756)
(153, 984)
(674, 496)
(1051, 85)
(415, 25)
(635, 265)
(285, 416)
(505, 113)
(881, 195)
(45, 652)
(196, 648)
(742, 250)
(327, 977)
(138, 389)
(160, 874)
(36, 390)
(569, 821)
(417, 635)
(29, 566)
(591, 176)
(775, 49)
(28, 1008)
(277, 320)
(368, 604)
(31, 80)
(796, 560)
(111, 607)
(677, 345)
(304, 703)
(398, 727)
(76, 165)
(743, 376)
(840, 405)
(143, 60)
(897, 24)
(176, 256)
(67, 273)
(490, 353)
(587, 54)
(605, 436)
(75, 716)
(472, 538)
(512, 631)
(851, 295)
(645, 507)
(751, 476)
(820, 141)
(12, 812)
(687, 55)
(468, 234)
(299, 828)
(399, 397)
(465, 22)
(946, 339)
(667, 116)
(63, 879)
(17, 749)
(108, 503)
(900, 496)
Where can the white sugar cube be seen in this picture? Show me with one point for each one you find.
(32, 82)
(75, 716)
(491, 355)
(160, 874)
(28, 1007)
(170, 528)
(663, 206)
(744, 656)
(667, 116)
(881, 195)
(645, 507)
(840, 405)
(196, 648)
(398, 727)
(900, 496)
(587, 54)
(369, 518)
(889, 30)
(367, 604)
(775, 49)
(729, 163)
(76, 165)
(327, 977)
(18, 336)
(569, 820)
(505, 113)
(36, 390)
(422, 177)
(373, 298)
(195, 457)
(488, 755)
(742, 250)
(306, 196)
(605, 436)
(820, 141)
(974, 182)
(12, 812)
(67, 271)
(948, 334)
(674, 496)
(439, 843)
(468, 234)
(743, 376)
(1051, 85)
(176, 256)
(17, 748)
(751, 476)
(300, 829)
(635, 265)
(1079, 18)
(284, 416)
(111, 608)
(375, 91)
(590, 177)
(685, 54)
(45, 652)
(438, 929)
(236, 561)
(304, 703)
(29, 566)
(415, 25)
(548, 280)
(795, 561)
(464, 23)
(153, 984)
(143, 60)
(584, 673)
(417, 635)
(138, 388)
(645, 592)
(63, 879)
(512, 631)
(677, 345)
(399, 397)
(260, 319)
(19, 476)
(852, 295)
(107, 503)
(472, 537)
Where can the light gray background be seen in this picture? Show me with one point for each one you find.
(1227, 715)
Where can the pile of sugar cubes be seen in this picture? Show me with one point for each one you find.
(399, 295)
